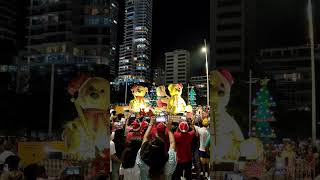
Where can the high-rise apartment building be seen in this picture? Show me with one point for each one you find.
(8, 30)
(71, 32)
(291, 69)
(135, 52)
(113, 14)
(177, 67)
(232, 28)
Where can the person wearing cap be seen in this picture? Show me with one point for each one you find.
(152, 158)
(144, 127)
(204, 135)
(184, 139)
(135, 132)
(160, 130)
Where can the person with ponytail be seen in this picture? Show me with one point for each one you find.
(154, 161)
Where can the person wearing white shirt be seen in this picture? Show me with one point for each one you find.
(113, 156)
(129, 170)
(8, 151)
(204, 135)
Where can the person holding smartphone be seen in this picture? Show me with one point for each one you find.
(154, 162)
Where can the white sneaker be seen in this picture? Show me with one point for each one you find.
(206, 175)
(201, 173)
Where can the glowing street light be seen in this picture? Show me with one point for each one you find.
(205, 51)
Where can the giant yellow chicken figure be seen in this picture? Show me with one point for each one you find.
(86, 137)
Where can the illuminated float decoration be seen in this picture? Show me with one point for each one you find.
(139, 102)
(176, 103)
(228, 136)
(86, 137)
(163, 99)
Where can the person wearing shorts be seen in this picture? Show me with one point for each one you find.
(204, 135)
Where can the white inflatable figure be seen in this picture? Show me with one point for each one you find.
(252, 149)
(228, 136)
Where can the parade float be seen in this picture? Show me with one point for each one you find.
(139, 102)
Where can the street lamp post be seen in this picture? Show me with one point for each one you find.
(250, 96)
(251, 81)
(51, 99)
(312, 57)
(205, 50)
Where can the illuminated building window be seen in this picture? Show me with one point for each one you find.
(141, 46)
(92, 21)
(292, 77)
(96, 20)
(140, 40)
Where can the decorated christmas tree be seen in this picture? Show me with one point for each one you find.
(153, 97)
(263, 114)
(192, 97)
(148, 98)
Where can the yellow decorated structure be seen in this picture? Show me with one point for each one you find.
(87, 135)
(139, 102)
(176, 104)
(35, 152)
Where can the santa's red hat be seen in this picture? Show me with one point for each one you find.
(144, 124)
(135, 126)
(226, 74)
(161, 127)
(76, 83)
(183, 127)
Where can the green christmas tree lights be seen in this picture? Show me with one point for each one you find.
(263, 115)
(192, 97)
(153, 97)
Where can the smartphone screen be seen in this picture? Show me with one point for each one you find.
(161, 119)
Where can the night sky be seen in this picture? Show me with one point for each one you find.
(184, 24)
(178, 25)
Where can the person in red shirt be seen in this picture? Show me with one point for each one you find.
(135, 132)
(183, 138)
(160, 130)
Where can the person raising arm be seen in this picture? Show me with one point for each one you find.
(171, 136)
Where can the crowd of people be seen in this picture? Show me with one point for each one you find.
(292, 158)
(144, 147)
(147, 147)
